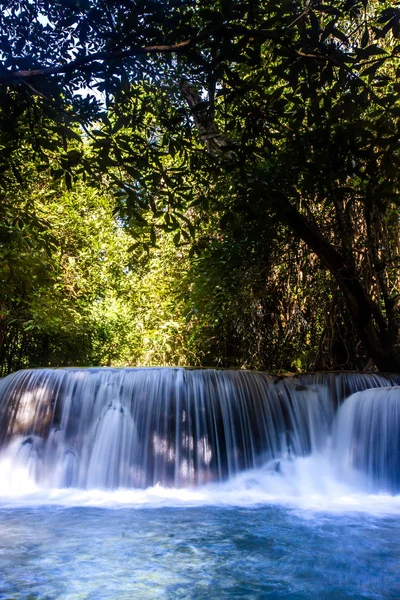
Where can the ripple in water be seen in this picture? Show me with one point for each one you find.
(197, 553)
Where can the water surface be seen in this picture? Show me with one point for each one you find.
(203, 552)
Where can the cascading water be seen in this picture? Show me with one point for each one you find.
(136, 428)
(308, 466)
(367, 437)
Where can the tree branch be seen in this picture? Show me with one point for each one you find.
(10, 76)
(320, 57)
(204, 120)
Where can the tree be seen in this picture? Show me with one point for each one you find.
(63, 258)
(296, 104)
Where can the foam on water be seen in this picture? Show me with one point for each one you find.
(306, 483)
(151, 438)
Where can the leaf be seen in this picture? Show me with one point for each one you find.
(133, 247)
(340, 35)
(276, 94)
(372, 69)
(68, 180)
(138, 217)
(315, 26)
(365, 38)
(369, 51)
(74, 156)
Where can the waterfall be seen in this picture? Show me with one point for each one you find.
(367, 437)
(134, 428)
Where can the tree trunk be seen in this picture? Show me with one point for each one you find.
(371, 325)
(379, 335)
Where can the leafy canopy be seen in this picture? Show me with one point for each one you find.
(284, 112)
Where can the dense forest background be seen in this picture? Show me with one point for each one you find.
(199, 183)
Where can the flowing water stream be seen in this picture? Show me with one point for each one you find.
(173, 483)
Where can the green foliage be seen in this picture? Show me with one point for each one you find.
(221, 129)
(62, 262)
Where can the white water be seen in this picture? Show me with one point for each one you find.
(83, 448)
(312, 483)
(252, 489)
